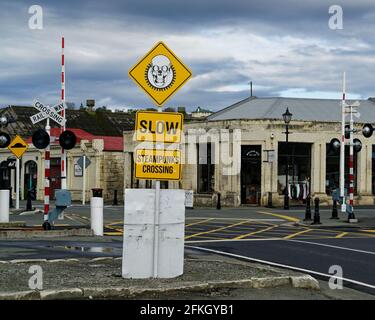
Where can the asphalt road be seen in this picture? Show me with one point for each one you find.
(355, 256)
(258, 234)
(59, 249)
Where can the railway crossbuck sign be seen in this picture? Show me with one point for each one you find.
(160, 73)
(48, 112)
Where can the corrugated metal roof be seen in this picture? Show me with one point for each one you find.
(322, 110)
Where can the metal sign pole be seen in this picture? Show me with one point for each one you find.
(351, 167)
(156, 220)
(84, 180)
(47, 174)
(17, 183)
(342, 149)
(63, 93)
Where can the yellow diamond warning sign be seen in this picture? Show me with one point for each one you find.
(159, 126)
(18, 146)
(160, 73)
(158, 164)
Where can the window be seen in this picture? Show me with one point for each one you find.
(333, 169)
(163, 184)
(299, 156)
(206, 168)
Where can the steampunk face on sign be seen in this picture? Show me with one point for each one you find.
(160, 73)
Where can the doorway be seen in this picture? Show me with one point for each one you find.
(251, 166)
(55, 182)
(30, 177)
(5, 175)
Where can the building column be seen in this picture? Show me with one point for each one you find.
(318, 169)
(70, 171)
(127, 170)
(364, 175)
(22, 178)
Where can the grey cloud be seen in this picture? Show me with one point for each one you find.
(293, 48)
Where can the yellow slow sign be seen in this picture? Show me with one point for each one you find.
(158, 164)
(159, 126)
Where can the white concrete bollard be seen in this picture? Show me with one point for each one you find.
(96, 205)
(4, 206)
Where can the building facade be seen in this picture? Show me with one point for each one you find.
(99, 137)
(104, 172)
(241, 153)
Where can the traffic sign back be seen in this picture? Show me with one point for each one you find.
(80, 162)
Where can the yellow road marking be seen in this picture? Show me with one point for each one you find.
(368, 231)
(342, 234)
(255, 232)
(218, 229)
(351, 232)
(202, 221)
(280, 216)
(116, 222)
(211, 238)
(74, 217)
(297, 234)
(116, 229)
(113, 233)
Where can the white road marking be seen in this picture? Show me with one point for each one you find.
(335, 247)
(198, 218)
(284, 266)
(232, 240)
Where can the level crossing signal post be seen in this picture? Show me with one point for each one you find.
(42, 140)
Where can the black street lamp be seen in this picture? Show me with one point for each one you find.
(287, 116)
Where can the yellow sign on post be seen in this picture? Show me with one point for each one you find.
(159, 126)
(160, 73)
(158, 164)
(18, 147)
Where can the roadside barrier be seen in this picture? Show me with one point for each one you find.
(308, 209)
(316, 211)
(334, 210)
(4, 206)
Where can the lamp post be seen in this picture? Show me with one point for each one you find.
(287, 116)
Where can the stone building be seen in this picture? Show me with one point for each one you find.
(99, 137)
(250, 165)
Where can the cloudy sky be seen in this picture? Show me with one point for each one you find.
(285, 47)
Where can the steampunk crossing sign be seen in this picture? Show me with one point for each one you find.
(48, 112)
(160, 73)
(158, 164)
